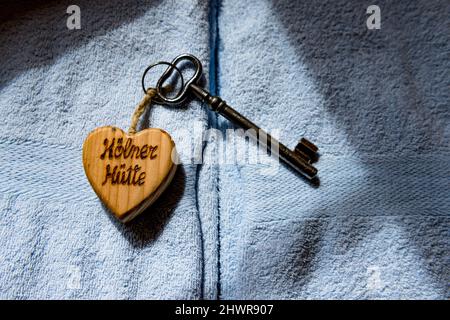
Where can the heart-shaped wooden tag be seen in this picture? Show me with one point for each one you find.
(129, 172)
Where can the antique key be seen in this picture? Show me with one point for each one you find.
(301, 158)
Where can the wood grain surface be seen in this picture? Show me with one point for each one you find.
(129, 172)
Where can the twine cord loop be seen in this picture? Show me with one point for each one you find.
(146, 100)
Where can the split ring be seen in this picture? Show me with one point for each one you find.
(171, 66)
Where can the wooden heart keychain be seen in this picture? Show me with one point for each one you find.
(129, 171)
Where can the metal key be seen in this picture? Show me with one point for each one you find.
(301, 158)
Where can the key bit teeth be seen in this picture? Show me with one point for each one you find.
(307, 150)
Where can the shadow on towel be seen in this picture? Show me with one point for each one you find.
(40, 45)
(146, 227)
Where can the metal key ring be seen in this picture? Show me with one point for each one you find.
(184, 90)
(159, 98)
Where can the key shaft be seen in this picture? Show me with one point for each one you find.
(296, 159)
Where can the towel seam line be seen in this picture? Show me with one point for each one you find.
(214, 89)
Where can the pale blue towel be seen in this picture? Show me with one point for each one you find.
(376, 103)
(57, 85)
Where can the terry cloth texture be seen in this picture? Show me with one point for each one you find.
(57, 85)
(376, 102)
